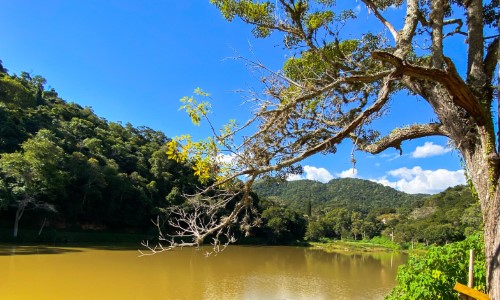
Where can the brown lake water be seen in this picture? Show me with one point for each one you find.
(240, 272)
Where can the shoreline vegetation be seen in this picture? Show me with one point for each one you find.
(343, 246)
(82, 237)
(360, 246)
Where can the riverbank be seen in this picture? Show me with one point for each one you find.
(350, 246)
(374, 245)
(106, 238)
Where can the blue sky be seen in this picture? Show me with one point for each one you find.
(131, 61)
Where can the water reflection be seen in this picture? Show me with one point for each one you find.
(238, 273)
(29, 250)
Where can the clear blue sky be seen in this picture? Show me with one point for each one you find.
(131, 61)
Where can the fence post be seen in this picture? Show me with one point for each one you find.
(468, 292)
(471, 269)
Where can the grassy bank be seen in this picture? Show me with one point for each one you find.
(374, 245)
(377, 244)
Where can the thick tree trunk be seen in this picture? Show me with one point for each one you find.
(482, 164)
(476, 142)
(483, 170)
(492, 239)
(492, 243)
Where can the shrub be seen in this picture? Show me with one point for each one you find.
(433, 275)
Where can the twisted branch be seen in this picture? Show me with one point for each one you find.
(397, 136)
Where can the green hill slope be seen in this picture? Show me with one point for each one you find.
(64, 166)
(444, 217)
(351, 193)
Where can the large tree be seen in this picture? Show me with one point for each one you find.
(333, 87)
(33, 174)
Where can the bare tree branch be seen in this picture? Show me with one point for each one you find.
(475, 70)
(345, 132)
(397, 136)
(491, 59)
(436, 17)
(458, 28)
(406, 34)
(192, 227)
(381, 18)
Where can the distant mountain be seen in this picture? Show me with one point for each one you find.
(351, 193)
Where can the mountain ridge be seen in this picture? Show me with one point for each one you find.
(352, 193)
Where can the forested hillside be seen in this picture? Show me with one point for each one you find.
(361, 209)
(444, 217)
(63, 166)
(350, 193)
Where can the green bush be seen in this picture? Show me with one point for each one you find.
(386, 242)
(433, 275)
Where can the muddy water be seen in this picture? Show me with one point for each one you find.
(237, 273)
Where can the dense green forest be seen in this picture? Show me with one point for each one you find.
(350, 193)
(361, 209)
(64, 168)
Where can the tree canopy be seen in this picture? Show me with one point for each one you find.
(63, 165)
(350, 193)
